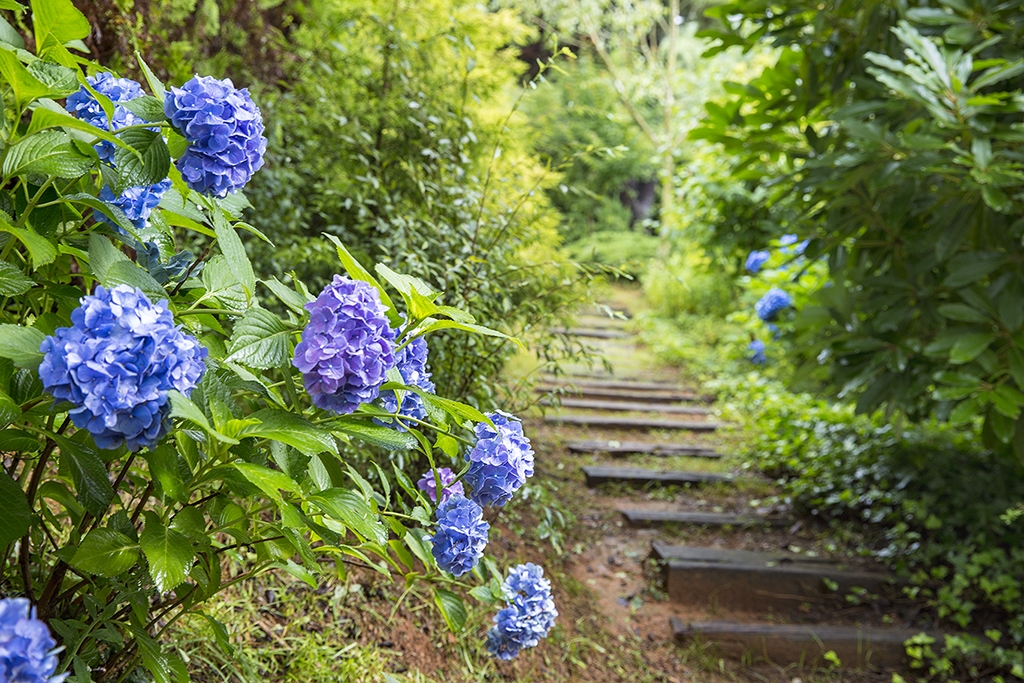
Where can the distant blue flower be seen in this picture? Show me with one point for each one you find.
(347, 347)
(787, 240)
(529, 616)
(772, 303)
(756, 260)
(411, 362)
(84, 106)
(137, 203)
(449, 487)
(28, 653)
(757, 355)
(116, 364)
(461, 535)
(774, 329)
(500, 462)
(224, 130)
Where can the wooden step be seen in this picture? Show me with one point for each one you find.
(600, 322)
(646, 396)
(628, 406)
(608, 382)
(591, 332)
(639, 476)
(603, 311)
(785, 644)
(632, 422)
(758, 582)
(715, 519)
(641, 447)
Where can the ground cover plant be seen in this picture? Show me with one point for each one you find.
(176, 425)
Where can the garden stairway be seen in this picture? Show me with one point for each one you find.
(641, 435)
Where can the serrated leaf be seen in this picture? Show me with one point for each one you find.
(48, 152)
(168, 552)
(60, 81)
(12, 281)
(267, 480)
(182, 406)
(165, 667)
(21, 345)
(452, 609)
(437, 325)
(89, 474)
(148, 108)
(26, 87)
(17, 516)
(260, 340)
(154, 83)
(356, 271)
(128, 273)
(148, 164)
(43, 119)
(234, 253)
(352, 510)
(376, 435)
(221, 284)
(291, 429)
(105, 552)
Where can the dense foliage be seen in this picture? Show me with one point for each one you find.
(158, 445)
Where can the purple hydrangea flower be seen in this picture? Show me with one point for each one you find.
(224, 130)
(85, 107)
(461, 535)
(756, 260)
(500, 462)
(28, 653)
(757, 355)
(449, 487)
(411, 362)
(772, 303)
(347, 347)
(529, 616)
(116, 363)
(137, 203)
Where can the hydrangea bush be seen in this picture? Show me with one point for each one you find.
(167, 415)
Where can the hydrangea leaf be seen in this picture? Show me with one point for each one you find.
(271, 482)
(234, 251)
(168, 552)
(155, 84)
(89, 474)
(452, 609)
(378, 436)
(14, 522)
(352, 510)
(147, 108)
(48, 152)
(21, 345)
(437, 325)
(260, 340)
(26, 86)
(106, 552)
(291, 429)
(148, 160)
(356, 271)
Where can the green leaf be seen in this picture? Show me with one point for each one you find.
(39, 248)
(89, 474)
(128, 273)
(105, 552)
(969, 346)
(60, 81)
(436, 325)
(260, 340)
(149, 165)
(21, 345)
(168, 552)
(165, 667)
(267, 480)
(154, 83)
(234, 251)
(182, 406)
(291, 429)
(452, 609)
(48, 152)
(60, 19)
(461, 411)
(9, 411)
(103, 255)
(357, 272)
(376, 435)
(147, 108)
(26, 87)
(221, 284)
(167, 470)
(962, 313)
(353, 511)
(43, 119)
(14, 522)
(288, 296)
(968, 268)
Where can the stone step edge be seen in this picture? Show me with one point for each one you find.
(598, 474)
(626, 406)
(695, 518)
(634, 422)
(613, 447)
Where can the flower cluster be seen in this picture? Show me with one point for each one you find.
(756, 260)
(500, 461)
(788, 242)
(529, 613)
(347, 347)
(116, 364)
(411, 362)
(772, 303)
(137, 203)
(224, 130)
(461, 535)
(86, 108)
(449, 487)
(757, 352)
(27, 650)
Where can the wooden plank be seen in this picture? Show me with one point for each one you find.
(629, 406)
(803, 644)
(592, 332)
(641, 447)
(632, 422)
(692, 553)
(711, 519)
(608, 382)
(597, 474)
(710, 578)
(601, 322)
(645, 395)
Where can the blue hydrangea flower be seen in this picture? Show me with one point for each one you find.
(347, 347)
(787, 242)
(85, 107)
(756, 260)
(224, 130)
(449, 487)
(757, 355)
(461, 535)
(772, 303)
(500, 462)
(529, 616)
(28, 653)
(116, 363)
(137, 203)
(411, 362)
